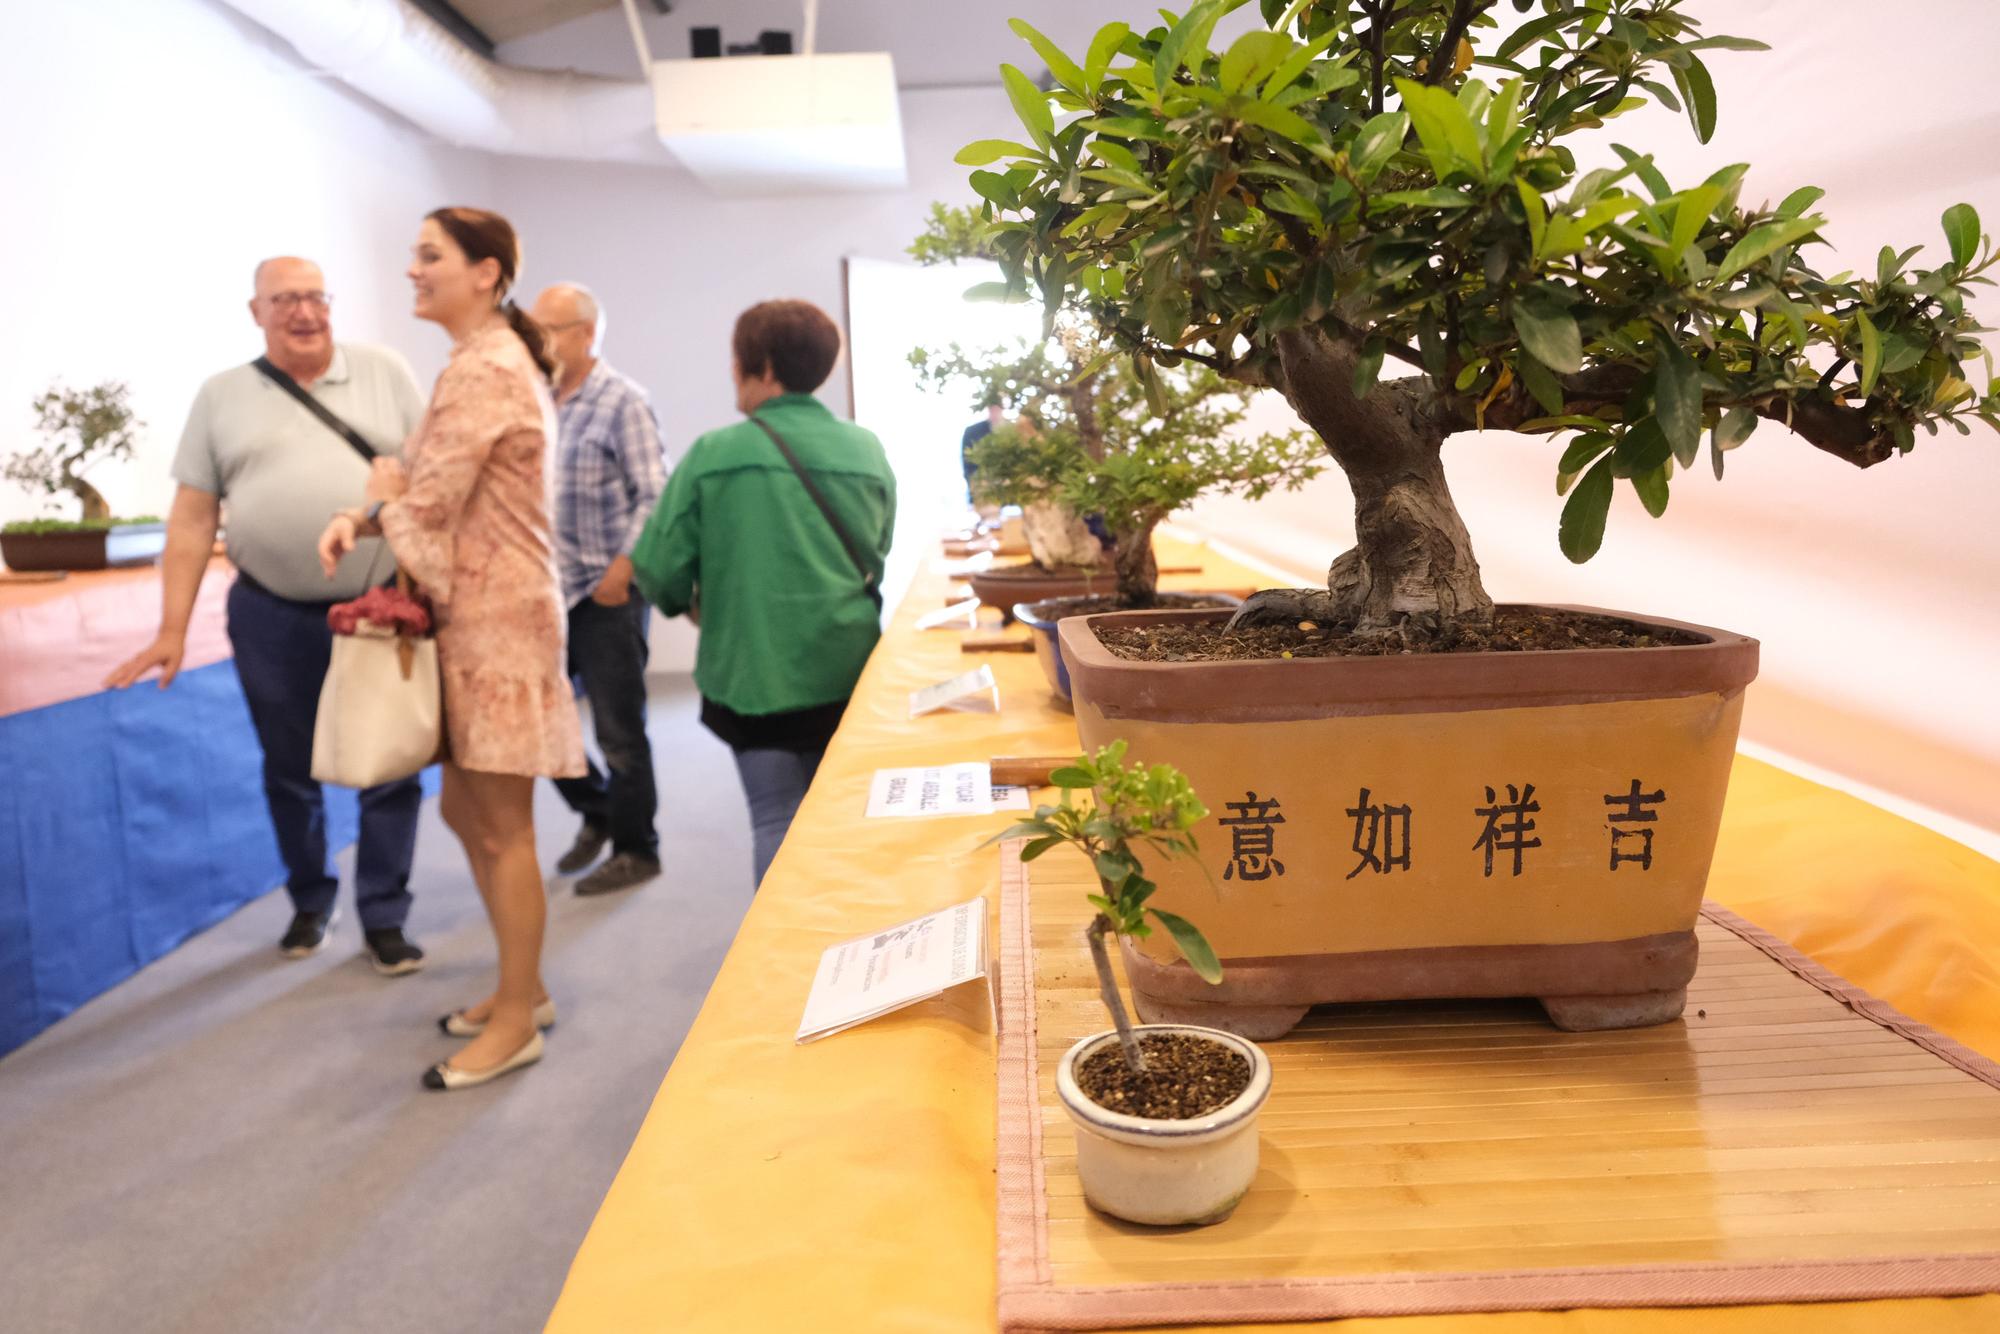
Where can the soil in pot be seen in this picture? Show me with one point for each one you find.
(1513, 629)
(1185, 1077)
(1093, 605)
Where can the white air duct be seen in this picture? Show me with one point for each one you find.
(391, 53)
(742, 124)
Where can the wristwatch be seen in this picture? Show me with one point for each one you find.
(373, 514)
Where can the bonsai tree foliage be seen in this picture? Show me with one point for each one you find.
(1371, 180)
(84, 427)
(1130, 806)
(1101, 437)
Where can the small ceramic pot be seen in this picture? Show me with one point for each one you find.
(1167, 1173)
(1042, 617)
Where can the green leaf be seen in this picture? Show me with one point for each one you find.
(1449, 136)
(983, 151)
(1102, 48)
(1677, 399)
(1060, 65)
(1698, 91)
(1652, 488)
(1692, 212)
(1548, 331)
(1293, 65)
(1250, 57)
(1961, 231)
(1368, 366)
(1288, 123)
(1581, 530)
(1070, 776)
(994, 292)
(1762, 240)
(1533, 30)
(1190, 35)
(1194, 947)
(1579, 455)
(1042, 845)
(1115, 868)
(1537, 213)
(1541, 382)
(1799, 200)
(1031, 104)
(1436, 196)
(1735, 427)
(1377, 143)
(1871, 351)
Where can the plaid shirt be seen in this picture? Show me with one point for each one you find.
(610, 470)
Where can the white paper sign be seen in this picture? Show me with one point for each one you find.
(941, 789)
(973, 692)
(959, 615)
(976, 564)
(871, 975)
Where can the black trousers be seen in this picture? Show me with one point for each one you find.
(607, 653)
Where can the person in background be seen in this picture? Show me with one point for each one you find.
(281, 470)
(996, 413)
(469, 521)
(609, 472)
(787, 602)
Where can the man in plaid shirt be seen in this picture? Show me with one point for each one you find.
(609, 471)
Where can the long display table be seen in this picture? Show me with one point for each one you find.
(850, 1184)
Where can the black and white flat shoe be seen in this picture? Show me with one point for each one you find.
(456, 1025)
(441, 1076)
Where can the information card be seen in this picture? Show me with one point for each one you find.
(972, 692)
(941, 789)
(871, 975)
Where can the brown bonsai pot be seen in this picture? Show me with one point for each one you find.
(1004, 586)
(1042, 617)
(1431, 825)
(84, 548)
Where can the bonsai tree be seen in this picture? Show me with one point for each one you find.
(84, 427)
(1131, 806)
(1363, 181)
(1103, 438)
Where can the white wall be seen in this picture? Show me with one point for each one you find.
(153, 151)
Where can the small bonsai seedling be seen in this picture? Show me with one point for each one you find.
(1132, 806)
(84, 427)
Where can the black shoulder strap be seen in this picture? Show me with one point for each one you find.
(826, 511)
(269, 370)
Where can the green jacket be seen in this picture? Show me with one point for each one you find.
(785, 624)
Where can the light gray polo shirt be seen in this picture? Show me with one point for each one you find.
(283, 472)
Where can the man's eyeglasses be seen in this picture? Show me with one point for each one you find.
(289, 301)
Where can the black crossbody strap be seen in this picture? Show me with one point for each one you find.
(826, 511)
(269, 370)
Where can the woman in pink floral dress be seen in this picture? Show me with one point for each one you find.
(467, 516)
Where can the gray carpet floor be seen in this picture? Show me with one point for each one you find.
(234, 1141)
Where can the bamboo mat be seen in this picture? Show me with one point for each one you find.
(1791, 1139)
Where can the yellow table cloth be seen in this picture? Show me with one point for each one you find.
(849, 1184)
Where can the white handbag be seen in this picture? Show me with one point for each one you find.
(381, 708)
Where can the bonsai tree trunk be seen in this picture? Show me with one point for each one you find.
(1412, 564)
(1107, 991)
(94, 505)
(1058, 538)
(1138, 571)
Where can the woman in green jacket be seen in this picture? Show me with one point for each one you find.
(783, 582)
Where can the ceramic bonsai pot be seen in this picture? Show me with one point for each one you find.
(84, 548)
(1006, 586)
(1410, 826)
(1042, 617)
(1166, 1172)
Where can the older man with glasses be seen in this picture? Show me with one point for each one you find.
(285, 441)
(609, 471)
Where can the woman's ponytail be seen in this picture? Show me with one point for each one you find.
(532, 335)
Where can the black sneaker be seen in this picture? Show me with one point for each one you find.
(621, 872)
(307, 933)
(391, 953)
(590, 841)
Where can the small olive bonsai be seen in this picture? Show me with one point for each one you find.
(1361, 180)
(84, 427)
(1132, 805)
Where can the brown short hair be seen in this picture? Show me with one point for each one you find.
(794, 340)
(484, 234)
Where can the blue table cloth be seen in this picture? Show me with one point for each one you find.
(129, 821)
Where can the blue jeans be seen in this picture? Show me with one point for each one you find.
(282, 648)
(607, 651)
(774, 782)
